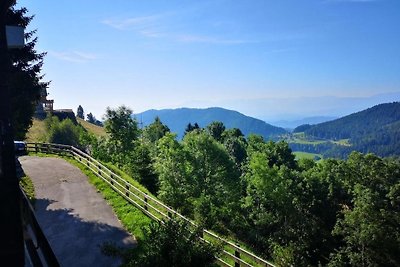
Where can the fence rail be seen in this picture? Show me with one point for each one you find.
(232, 254)
(37, 246)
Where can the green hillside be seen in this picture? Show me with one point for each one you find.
(375, 130)
(92, 128)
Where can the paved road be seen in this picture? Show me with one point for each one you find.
(74, 217)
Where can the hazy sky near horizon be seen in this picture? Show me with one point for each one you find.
(260, 57)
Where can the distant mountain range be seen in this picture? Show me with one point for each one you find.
(376, 129)
(291, 124)
(178, 119)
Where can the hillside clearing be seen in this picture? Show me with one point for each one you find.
(92, 128)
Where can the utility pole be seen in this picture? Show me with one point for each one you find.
(12, 243)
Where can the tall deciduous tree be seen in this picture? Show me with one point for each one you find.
(371, 224)
(175, 173)
(122, 128)
(26, 81)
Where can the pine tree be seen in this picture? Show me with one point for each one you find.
(80, 113)
(26, 85)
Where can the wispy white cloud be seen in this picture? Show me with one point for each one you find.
(73, 56)
(169, 26)
(132, 23)
(155, 27)
(209, 40)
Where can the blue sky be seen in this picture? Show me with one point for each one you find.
(280, 59)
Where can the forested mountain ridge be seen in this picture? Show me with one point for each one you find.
(178, 119)
(376, 130)
(359, 123)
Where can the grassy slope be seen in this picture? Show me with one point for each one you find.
(306, 155)
(36, 132)
(94, 129)
(132, 218)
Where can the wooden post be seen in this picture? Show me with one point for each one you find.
(237, 254)
(145, 204)
(127, 190)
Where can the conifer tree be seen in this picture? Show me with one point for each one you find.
(26, 81)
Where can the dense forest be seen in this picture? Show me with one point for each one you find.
(375, 130)
(297, 213)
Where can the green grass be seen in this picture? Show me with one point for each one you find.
(131, 218)
(307, 142)
(94, 129)
(36, 132)
(342, 142)
(306, 155)
(29, 189)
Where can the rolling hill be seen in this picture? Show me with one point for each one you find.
(178, 119)
(376, 130)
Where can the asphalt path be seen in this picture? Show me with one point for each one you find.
(73, 215)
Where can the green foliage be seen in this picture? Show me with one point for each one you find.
(123, 130)
(189, 128)
(29, 189)
(235, 144)
(278, 153)
(170, 243)
(174, 172)
(64, 132)
(299, 213)
(372, 130)
(197, 176)
(215, 129)
(155, 131)
(371, 224)
(141, 166)
(25, 83)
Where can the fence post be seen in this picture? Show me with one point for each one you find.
(145, 204)
(127, 190)
(237, 254)
(36, 148)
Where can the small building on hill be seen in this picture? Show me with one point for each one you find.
(45, 106)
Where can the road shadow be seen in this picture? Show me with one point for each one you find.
(77, 242)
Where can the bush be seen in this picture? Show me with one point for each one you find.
(170, 243)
